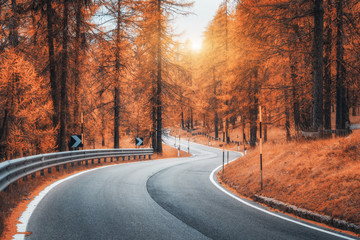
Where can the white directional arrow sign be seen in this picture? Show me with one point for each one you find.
(76, 141)
(139, 141)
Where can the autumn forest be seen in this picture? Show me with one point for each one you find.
(113, 69)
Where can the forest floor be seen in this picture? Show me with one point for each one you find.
(14, 201)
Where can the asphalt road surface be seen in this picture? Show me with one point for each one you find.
(161, 199)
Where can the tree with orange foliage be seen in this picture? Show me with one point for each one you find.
(26, 109)
(154, 18)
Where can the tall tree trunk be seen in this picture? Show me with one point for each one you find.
(34, 23)
(64, 78)
(342, 109)
(265, 124)
(295, 93)
(77, 50)
(188, 120)
(191, 119)
(153, 127)
(117, 79)
(327, 70)
(159, 82)
(243, 129)
(287, 114)
(227, 122)
(317, 119)
(8, 110)
(226, 130)
(216, 125)
(52, 62)
(13, 26)
(253, 109)
(102, 112)
(3, 127)
(253, 126)
(216, 117)
(182, 120)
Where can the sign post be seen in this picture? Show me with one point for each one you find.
(223, 160)
(82, 129)
(179, 145)
(244, 136)
(261, 150)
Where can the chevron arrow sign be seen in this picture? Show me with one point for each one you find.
(76, 141)
(139, 141)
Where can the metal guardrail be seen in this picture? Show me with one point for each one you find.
(13, 170)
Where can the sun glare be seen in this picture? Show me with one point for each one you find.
(196, 45)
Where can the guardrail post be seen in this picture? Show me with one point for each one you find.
(139, 157)
(49, 170)
(72, 164)
(111, 159)
(149, 157)
(25, 178)
(57, 168)
(129, 158)
(99, 160)
(86, 163)
(134, 157)
(92, 161)
(123, 157)
(65, 166)
(117, 159)
(42, 172)
(144, 157)
(79, 163)
(104, 159)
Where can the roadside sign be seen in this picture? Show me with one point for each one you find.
(139, 141)
(76, 141)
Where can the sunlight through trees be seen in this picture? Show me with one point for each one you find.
(116, 63)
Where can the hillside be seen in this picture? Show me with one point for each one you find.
(322, 176)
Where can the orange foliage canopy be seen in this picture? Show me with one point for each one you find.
(27, 109)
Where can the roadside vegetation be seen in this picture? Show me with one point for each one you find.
(322, 176)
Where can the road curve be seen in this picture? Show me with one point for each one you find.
(162, 199)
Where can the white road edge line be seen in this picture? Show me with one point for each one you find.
(211, 177)
(25, 216)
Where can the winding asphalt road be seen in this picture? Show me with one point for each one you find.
(162, 199)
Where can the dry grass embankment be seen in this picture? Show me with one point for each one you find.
(14, 201)
(322, 176)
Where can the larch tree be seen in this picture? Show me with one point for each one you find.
(156, 14)
(121, 13)
(26, 110)
(342, 110)
(318, 63)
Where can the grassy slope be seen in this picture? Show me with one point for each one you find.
(322, 176)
